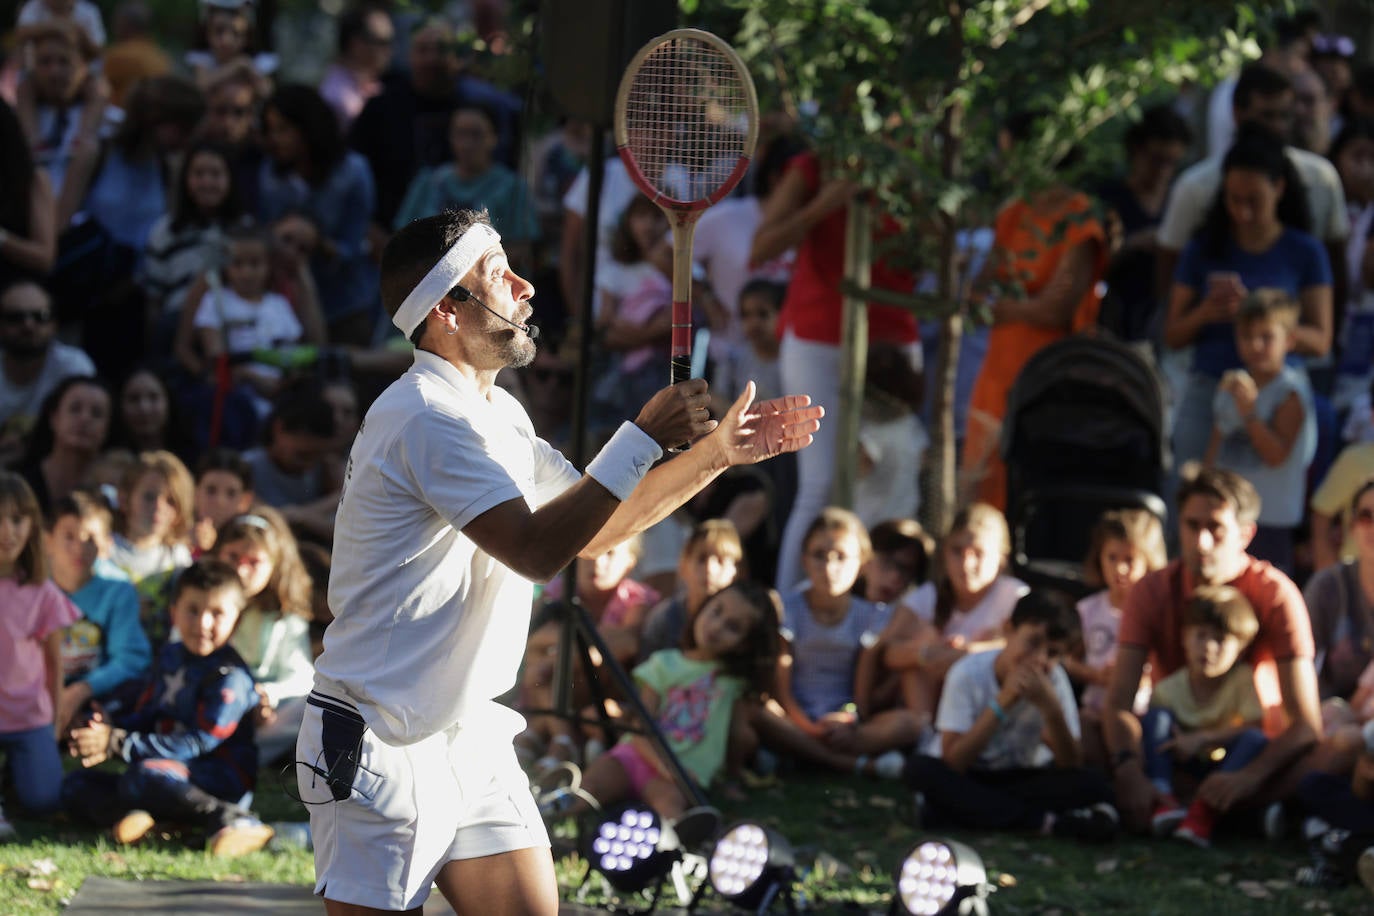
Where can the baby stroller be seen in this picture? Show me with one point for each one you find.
(1083, 434)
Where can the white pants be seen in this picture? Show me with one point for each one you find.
(807, 367)
(405, 810)
(812, 368)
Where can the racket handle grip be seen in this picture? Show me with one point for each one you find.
(681, 372)
(682, 368)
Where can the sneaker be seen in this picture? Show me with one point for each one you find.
(1096, 824)
(1197, 825)
(1313, 829)
(1330, 843)
(890, 765)
(240, 837)
(1364, 867)
(133, 827)
(1167, 816)
(291, 835)
(1320, 874)
(7, 831)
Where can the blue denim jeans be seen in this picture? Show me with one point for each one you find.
(1158, 726)
(35, 768)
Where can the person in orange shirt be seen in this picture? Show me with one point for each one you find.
(1051, 247)
(135, 53)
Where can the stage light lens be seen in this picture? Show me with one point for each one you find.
(748, 863)
(937, 875)
(624, 848)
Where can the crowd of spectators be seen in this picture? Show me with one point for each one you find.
(190, 335)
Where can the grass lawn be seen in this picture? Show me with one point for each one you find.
(848, 835)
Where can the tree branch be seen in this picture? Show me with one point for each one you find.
(1020, 19)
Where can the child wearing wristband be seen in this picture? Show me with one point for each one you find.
(1009, 755)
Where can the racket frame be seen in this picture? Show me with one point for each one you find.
(683, 214)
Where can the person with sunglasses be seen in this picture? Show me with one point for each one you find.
(1340, 599)
(32, 362)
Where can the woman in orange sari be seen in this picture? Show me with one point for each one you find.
(1051, 247)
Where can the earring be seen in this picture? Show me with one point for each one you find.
(451, 331)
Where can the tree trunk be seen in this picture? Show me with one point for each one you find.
(942, 496)
(858, 250)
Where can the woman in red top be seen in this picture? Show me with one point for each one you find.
(807, 210)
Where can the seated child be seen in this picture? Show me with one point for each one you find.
(693, 693)
(962, 610)
(152, 534)
(1009, 753)
(188, 746)
(224, 489)
(1340, 822)
(104, 654)
(273, 633)
(616, 603)
(33, 612)
(708, 563)
(1126, 544)
(901, 560)
(830, 636)
(1206, 716)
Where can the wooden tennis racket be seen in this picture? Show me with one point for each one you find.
(686, 122)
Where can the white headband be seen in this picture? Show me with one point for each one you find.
(444, 276)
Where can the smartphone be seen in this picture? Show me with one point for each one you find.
(1223, 280)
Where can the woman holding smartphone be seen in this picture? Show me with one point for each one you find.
(1255, 236)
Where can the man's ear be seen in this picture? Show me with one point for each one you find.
(1248, 530)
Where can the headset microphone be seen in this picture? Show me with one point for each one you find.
(463, 294)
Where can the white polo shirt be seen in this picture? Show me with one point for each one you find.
(1195, 191)
(428, 628)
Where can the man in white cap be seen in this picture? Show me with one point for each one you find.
(451, 508)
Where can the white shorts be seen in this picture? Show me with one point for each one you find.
(384, 827)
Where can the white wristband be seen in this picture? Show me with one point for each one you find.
(622, 464)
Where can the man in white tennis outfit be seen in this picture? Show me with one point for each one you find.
(452, 507)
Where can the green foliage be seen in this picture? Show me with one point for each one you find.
(874, 79)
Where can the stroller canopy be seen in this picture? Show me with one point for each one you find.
(1085, 400)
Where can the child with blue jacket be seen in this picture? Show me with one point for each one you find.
(189, 741)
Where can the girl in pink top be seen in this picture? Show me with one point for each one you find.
(1126, 544)
(33, 612)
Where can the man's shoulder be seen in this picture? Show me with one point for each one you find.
(1157, 583)
(1309, 164)
(1265, 584)
(72, 360)
(1201, 175)
(973, 668)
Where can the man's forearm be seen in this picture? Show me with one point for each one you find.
(1120, 730)
(1290, 744)
(662, 490)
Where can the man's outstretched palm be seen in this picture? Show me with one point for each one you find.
(750, 433)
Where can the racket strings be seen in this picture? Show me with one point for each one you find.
(687, 118)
